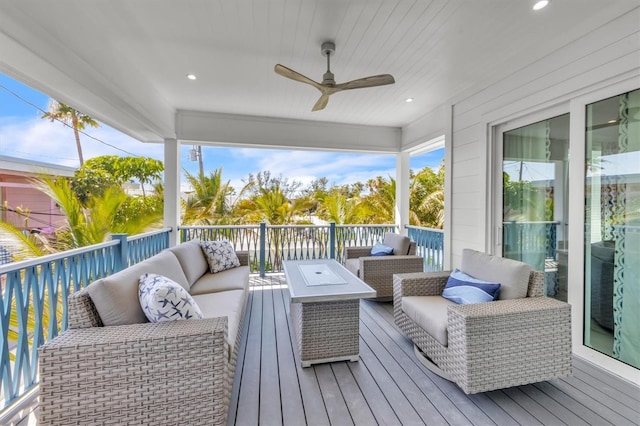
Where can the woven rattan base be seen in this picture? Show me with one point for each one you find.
(327, 331)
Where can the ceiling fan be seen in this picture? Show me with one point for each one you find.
(328, 86)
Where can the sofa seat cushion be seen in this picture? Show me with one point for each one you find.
(512, 275)
(353, 266)
(191, 257)
(430, 313)
(228, 304)
(116, 296)
(231, 279)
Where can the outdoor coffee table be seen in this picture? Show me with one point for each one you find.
(325, 310)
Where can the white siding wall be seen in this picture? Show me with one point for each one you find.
(608, 55)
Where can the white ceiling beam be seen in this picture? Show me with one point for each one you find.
(266, 132)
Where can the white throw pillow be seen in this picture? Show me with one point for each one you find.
(165, 300)
(220, 255)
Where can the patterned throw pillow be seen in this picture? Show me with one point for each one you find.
(463, 289)
(220, 255)
(381, 250)
(165, 300)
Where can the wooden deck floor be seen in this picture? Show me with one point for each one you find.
(389, 386)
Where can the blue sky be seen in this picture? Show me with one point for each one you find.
(24, 134)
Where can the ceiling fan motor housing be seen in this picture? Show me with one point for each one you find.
(328, 48)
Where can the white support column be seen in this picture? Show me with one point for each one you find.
(402, 191)
(172, 188)
(448, 187)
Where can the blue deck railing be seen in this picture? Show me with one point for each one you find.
(33, 300)
(429, 245)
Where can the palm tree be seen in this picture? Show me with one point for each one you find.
(208, 204)
(95, 223)
(380, 202)
(337, 207)
(70, 117)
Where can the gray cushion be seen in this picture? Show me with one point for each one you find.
(231, 279)
(191, 259)
(116, 296)
(512, 275)
(353, 266)
(400, 243)
(224, 304)
(430, 313)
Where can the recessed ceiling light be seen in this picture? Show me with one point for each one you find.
(540, 4)
(408, 100)
(191, 76)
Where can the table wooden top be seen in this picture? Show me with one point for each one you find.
(351, 287)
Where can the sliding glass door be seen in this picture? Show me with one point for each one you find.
(534, 199)
(612, 227)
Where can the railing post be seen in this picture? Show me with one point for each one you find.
(263, 243)
(332, 240)
(122, 251)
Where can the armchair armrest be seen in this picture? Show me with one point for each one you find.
(126, 374)
(243, 257)
(420, 284)
(356, 252)
(528, 339)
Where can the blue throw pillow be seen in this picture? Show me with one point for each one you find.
(463, 289)
(381, 250)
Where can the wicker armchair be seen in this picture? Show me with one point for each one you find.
(377, 271)
(490, 345)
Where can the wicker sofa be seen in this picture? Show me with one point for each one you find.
(524, 337)
(112, 366)
(377, 271)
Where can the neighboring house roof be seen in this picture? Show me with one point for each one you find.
(22, 165)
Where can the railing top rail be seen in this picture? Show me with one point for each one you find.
(388, 225)
(218, 226)
(422, 228)
(56, 256)
(149, 234)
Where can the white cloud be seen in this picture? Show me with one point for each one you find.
(41, 140)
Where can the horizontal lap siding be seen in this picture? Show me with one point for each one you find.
(610, 53)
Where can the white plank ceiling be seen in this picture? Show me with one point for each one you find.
(125, 62)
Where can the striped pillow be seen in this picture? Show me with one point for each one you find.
(463, 289)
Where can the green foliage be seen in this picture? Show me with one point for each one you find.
(99, 173)
(337, 207)
(208, 204)
(379, 203)
(426, 198)
(94, 222)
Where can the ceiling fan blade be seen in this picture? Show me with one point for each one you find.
(376, 80)
(294, 75)
(322, 102)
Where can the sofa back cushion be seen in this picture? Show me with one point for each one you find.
(511, 274)
(192, 260)
(399, 243)
(116, 296)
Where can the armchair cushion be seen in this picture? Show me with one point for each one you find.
(399, 243)
(511, 274)
(430, 313)
(462, 289)
(381, 250)
(164, 300)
